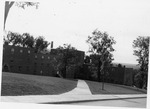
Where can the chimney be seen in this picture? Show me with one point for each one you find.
(51, 44)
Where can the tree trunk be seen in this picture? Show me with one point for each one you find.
(8, 5)
(99, 72)
(65, 68)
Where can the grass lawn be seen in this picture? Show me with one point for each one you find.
(14, 84)
(96, 88)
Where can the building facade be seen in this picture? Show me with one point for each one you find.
(25, 60)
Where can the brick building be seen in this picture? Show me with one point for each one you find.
(25, 60)
(112, 74)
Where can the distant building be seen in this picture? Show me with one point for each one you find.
(119, 75)
(112, 74)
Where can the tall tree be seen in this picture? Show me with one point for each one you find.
(101, 48)
(40, 44)
(141, 50)
(141, 46)
(13, 39)
(67, 53)
(28, 40)
(9, 4)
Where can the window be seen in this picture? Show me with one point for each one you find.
(11, 68)
(27, 68)
(42, 57)
(28, 60)
(21, 51)
(6, 68)
(48, 65)
(48, 57)
(35, 56)
(28, 51)
(11, 60)
(19, 68)
(12, 50)
(34, 71)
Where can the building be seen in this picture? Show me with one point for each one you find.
(112, 74)
(24, 60)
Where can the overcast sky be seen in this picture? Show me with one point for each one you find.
(72, 21)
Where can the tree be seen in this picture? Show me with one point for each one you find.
(100, 46)
(67, 57)
(141, 46)
(28, 40)
(40, 44)
(16, 39)
(9, 4)
(13, 39)
(120, 65)
(87, 59)
(141, 50)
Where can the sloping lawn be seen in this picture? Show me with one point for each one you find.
(14, 84)
(96, 88)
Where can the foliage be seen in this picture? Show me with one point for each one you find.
(120, 65)
(26, 40)
(9, 4)
(66, 57)
(100, 46)
(141, 46)
(87, 59)
(13, 39)
(23, 4)
(140, 79)
(141, 50)
(68, 53)
(40, 44)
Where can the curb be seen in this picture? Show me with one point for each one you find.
(78, 101)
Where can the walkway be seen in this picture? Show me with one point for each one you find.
(81, 89)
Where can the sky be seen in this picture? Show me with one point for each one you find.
(72, 21)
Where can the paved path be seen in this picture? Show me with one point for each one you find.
(81, 89)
